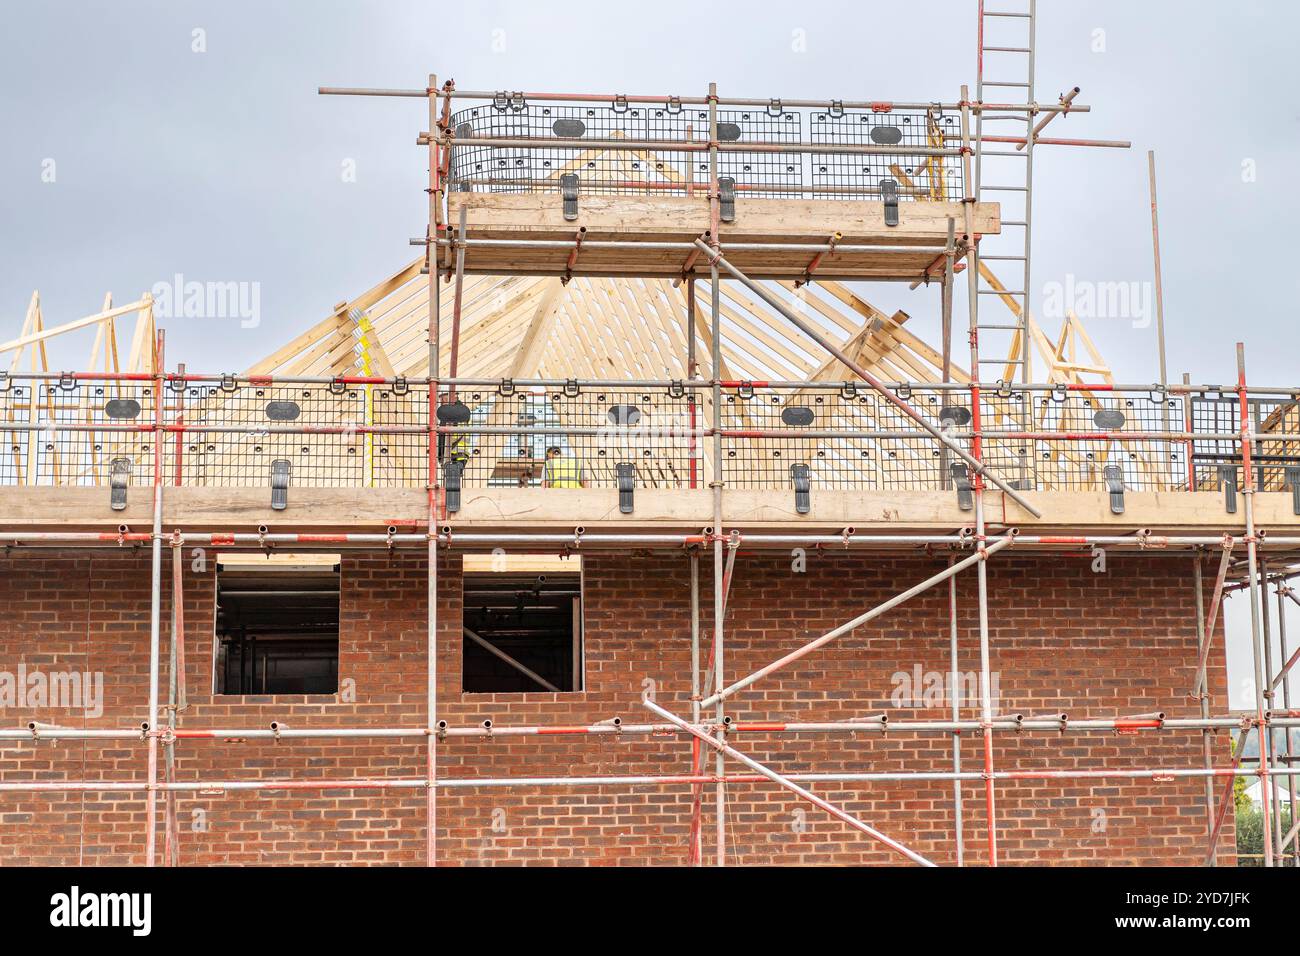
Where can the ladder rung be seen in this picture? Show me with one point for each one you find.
(1001, 291)
(1004, 13)
(1005, 49)
(1014, 328)
(1006, 189)
(1002, 116)
(999, 153)
(999, 83)
(1013, 222)
(1004, 258)
(1002, 361)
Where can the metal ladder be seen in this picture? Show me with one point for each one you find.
(1012, 179)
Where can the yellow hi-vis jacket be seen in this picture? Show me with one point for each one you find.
(562, 473)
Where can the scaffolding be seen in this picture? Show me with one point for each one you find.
(711, 433)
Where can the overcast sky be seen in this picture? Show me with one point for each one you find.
(208, 154)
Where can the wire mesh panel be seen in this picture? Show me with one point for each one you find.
(1218, 461)
(760, 174)
(15, 409)
(1146, 464)
(888, 459)
(1005, 409)
(510, 432)
(399, 460)
(343, 458)
(565, 131)
(1276, 460)
(847, 459)
(918, 176)
(537, 167)
(850, 437)
(753, 461)
(678, 171)
(919, 463)
(85, 457)
(923, 462)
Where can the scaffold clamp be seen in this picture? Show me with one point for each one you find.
(453, 471)
(802, 479)
(1115, 485)
(119, 478)
(889, 193)
(280, 469)
(727, 198)
(1228, 482)
(569, 194)
(626, 473)
(965, 488)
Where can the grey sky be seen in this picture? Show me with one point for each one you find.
(226, 166)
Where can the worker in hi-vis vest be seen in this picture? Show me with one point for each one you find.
(561, 471)
(459, 447)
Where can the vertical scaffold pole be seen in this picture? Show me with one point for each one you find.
(956, 715)
(155, 610)
(1266, 625)
(715, 315)
(175, 677)
(431, 638)
(696, 856)
(1160, 295)
(1203, 695)
(972, 295)
(1286, 705)
(1252, 560)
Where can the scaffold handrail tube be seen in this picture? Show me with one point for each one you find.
(669, 99)
(174, 379)
(1061, 725)
(1144, 543)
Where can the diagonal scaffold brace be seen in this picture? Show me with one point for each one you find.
(948, 572)
(977, 467)
(782, 781)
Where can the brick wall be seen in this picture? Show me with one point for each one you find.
(1064, 639)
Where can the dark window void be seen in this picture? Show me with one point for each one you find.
(278, 625)
(523, 632)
